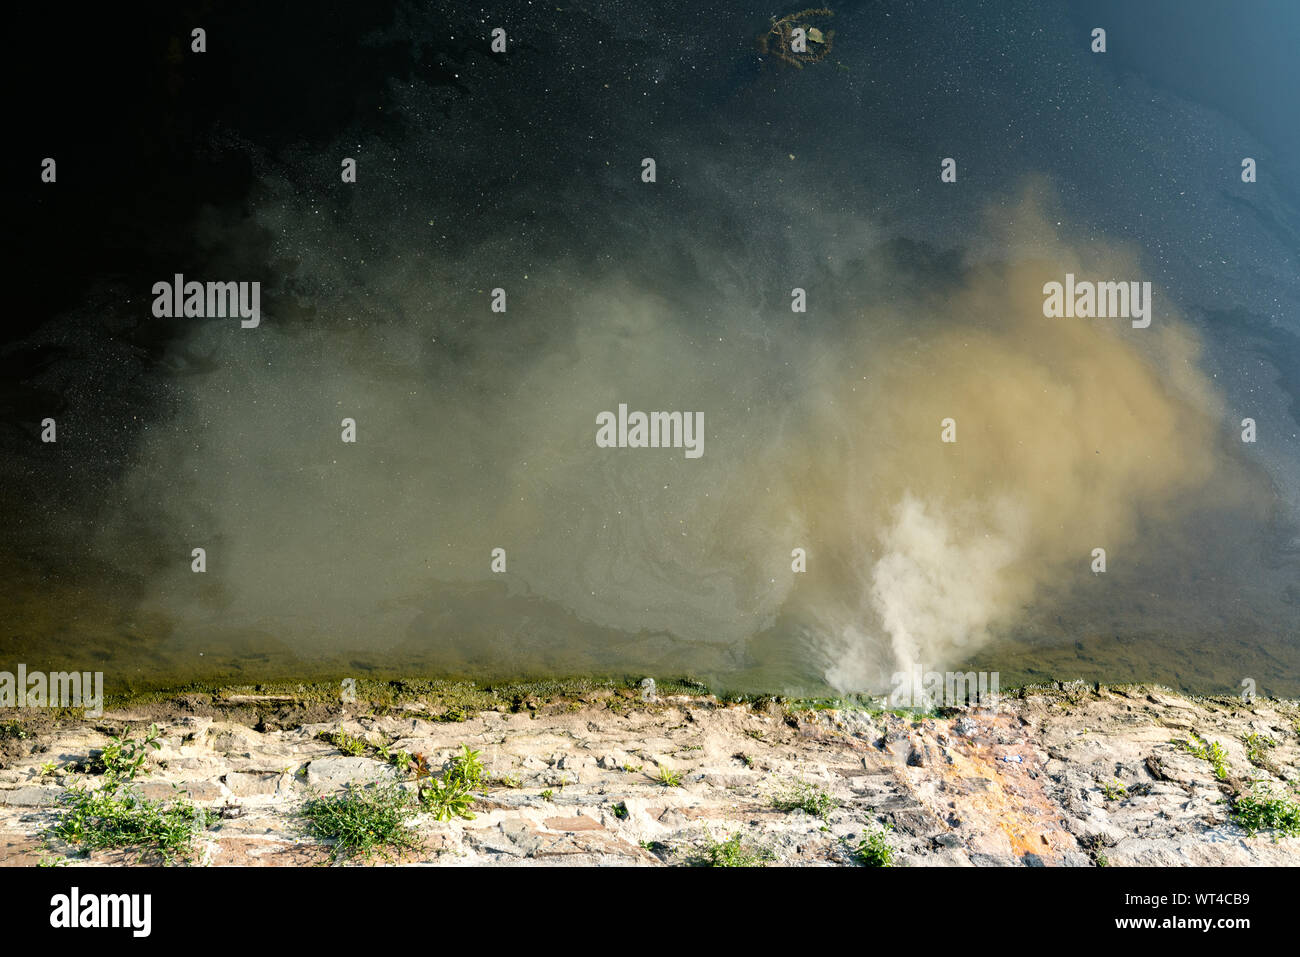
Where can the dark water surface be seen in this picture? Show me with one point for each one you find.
(476, 430)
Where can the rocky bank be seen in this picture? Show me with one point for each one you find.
(1070, 775)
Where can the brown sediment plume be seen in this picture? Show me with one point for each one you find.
(779, 39)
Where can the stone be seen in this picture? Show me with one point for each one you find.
(188, 790)
(579, 822)
(615, 761)
(332, 773)
(243, 784)
(234, 739)
(30, 797)
(960, 806)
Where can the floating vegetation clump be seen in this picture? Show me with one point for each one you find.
(799, 38)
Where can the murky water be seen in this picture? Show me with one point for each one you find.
(827, 535)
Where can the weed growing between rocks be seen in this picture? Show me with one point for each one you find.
(874, 849)
(446, 799)
(1114, 790)
(733, 853)
(451, 796)
(804, 796)
(1257, 813)
(669, 778)
(1257, 752)
(116, 815)
(1210, 751)
(364, 821)
(120, 817)
(376, 819)
(346, 743)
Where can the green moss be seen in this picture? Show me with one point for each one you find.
(869, 704)
(440, 698)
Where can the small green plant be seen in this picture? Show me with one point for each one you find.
(1103, 860)
(1210, 751)
(446, 798)
(402, 760)
(1257, 747)
(513, 781)
(49, 768)
(732, 853)
(1257, 813)
(755, 734)
(1218, 759)
(874, 849)
(632, 768)
(467, 767)
(451, 796)
(363, 821)
(668, 777)
(123, 756)
(745, 759)
(1114, 790)
(453, 714)
(346, 743)
(116, 815)
(620, 810)
(548, 795)
(119, 817)
(804, 796)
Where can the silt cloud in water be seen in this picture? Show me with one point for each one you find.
(477, 432)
